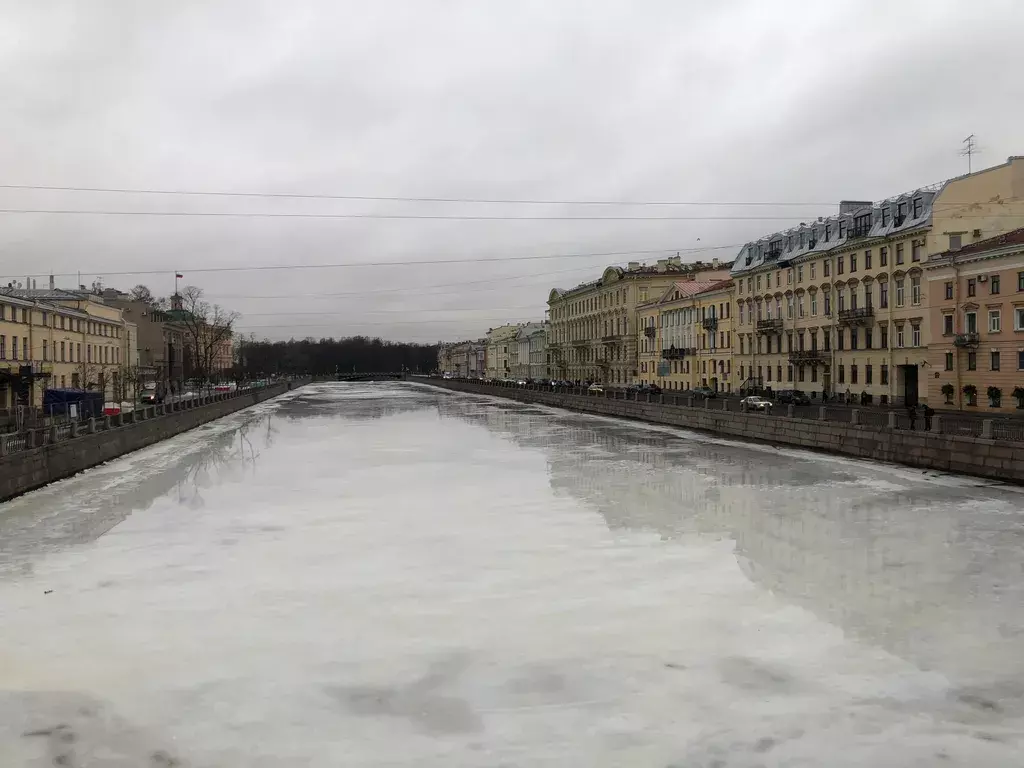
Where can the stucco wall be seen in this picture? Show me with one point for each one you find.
(1000, 459)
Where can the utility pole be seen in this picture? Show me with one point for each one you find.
(970, 147)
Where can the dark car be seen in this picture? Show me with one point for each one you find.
(706, 392)
(792, 397)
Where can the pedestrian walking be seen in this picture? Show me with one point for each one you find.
(912, 415)
(928, 413)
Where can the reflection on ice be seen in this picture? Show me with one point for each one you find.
(928, 570)
(384, 575)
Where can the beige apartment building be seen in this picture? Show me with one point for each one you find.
(501, 351)
(531, 353)
(685, 338)
(976, 320)
(50, 338)
(593, 332)
(465, 359)
(840, 305)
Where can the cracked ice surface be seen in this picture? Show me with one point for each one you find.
(392, 575)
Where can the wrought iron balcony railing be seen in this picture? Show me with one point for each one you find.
(771, 325)
(858, 315)
(966, 340)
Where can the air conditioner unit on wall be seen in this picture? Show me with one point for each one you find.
(982, 278)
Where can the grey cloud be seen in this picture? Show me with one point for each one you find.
(740, 101)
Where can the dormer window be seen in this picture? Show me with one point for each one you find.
(918, 205)
(885, 215)
(802, 241)
(789, 243)
(901, 210)
(842, 229)
(828, 232)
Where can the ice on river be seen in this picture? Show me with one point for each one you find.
(394, 575)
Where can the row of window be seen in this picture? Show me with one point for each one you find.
(63, 352)
(60, 322)
(994, 360)
(764, 373)
(995, 321)
(722, 367)
(607, 299)
(796, 274)
(795, 304)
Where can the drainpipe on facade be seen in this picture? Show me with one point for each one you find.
(956, 322)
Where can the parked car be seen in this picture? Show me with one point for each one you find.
(595, 389)
(705, 392)
(793, 397)
(756, 403)
(521, 382)
(644, 389)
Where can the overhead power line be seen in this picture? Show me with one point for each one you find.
(352, 264)
(403, 311)
(375, 216)
(395, 199)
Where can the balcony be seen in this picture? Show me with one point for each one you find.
(650, 331)
(710, 323)
(771, 325)
(613, 338)
(580, 342)
(858, 316)
(677, 353)
(966, 340)
(809, 356)
(857, 233)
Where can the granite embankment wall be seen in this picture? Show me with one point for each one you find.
(997, 459)
(102, 440)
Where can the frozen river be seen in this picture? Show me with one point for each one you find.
(393, 575)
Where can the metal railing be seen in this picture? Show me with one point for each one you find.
(856, 315)
(28, 439)
(769, 326)
(966, 340)
(869, 417)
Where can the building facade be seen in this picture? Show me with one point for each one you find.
(593, 333)
(685, 337)
(500, 354)
(976, 322)
(63, 339)
(839, 306)
(531, 352)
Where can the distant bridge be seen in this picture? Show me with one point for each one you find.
(370, 376)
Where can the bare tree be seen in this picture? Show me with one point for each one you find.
(130, 382)
(85, 375)
(142, 293)
(208, 327)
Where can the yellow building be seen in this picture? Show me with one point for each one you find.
(62, 339)
(593, 332)
(501, 351)
(839, 305)
(685, 338)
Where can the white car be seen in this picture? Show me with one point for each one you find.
(755, 403)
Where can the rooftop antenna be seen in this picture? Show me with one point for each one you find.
(970, 148)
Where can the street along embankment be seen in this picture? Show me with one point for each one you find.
(996, 459)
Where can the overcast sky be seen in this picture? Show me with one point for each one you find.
(632, 100)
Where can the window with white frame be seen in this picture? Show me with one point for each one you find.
(994, 321)
(915, 290)
(899, 336)
(814, 304)
(915, 335)
(1018, 319)
(900, 295)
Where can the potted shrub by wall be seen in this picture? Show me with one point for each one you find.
(971, 393)
(1018, 394)
(948, 390)
(995, 395)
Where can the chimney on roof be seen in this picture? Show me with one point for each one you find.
(52, 285)
(663, 265)
(633, 266)
(676, 261)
